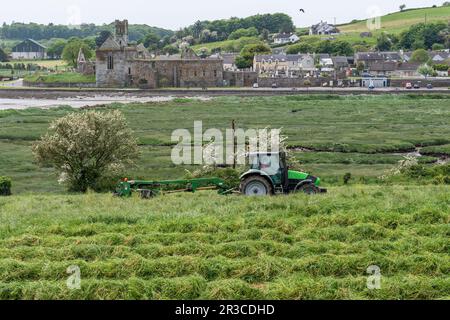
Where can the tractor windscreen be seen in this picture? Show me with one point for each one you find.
(268, 163)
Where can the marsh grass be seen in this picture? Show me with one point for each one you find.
(347, 133)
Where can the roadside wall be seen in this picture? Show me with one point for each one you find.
(240, 78)
(300, 82)
(438, 83)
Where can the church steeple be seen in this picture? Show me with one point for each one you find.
(121, 35)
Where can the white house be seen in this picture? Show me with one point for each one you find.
(285, 38)
(323, 28)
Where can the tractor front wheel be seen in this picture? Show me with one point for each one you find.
(147, 194)
(256, 186)
(309, 189)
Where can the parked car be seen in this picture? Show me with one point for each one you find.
(408, 86)
(416, 86)
(371, 87)
(274, 86)
(429, 86)
(255, 86)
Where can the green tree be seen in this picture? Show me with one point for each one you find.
(418, 44)
(197, 28)
(242, 63)
(86, 147)
(205, 36)
(239, 33)
(151, 41)
(437, 47)
(245, 60)
(384, 42)
(72, 48)
(3, 56)
(265, 34)
(101, 38)
(325, 47)
(420, 56)
(300, 48)
(55, 50)
(423, 35)
(402, 7)
(426, 70)
(342, 48)
(170, 49)
(441, 67)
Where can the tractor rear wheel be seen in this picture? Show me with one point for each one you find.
(309, 189)
(256, 186)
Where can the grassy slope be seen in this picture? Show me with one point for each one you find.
(227, 45)
(212, 247)
(399, 21)
(391, 23)
(359, 125)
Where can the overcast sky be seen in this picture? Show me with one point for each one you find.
(173, 14)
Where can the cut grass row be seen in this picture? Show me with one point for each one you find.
(206, 246)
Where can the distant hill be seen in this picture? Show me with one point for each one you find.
(400, 21)
(20, 31)
(391, 23)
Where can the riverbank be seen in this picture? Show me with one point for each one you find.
(55, 93)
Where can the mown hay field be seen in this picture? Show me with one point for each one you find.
(206, 246)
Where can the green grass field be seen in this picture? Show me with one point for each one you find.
(66, 77)
(347, 134)
(50, 64)
(206, 246)
(400, 21)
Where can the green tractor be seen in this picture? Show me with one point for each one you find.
(270, 175)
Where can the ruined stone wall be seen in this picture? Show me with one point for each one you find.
(189, 73)
(119, 76)
(143, 75)
(86, 68)
(240, 78)
(131, 72)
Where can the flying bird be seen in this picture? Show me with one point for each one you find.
(302, 10)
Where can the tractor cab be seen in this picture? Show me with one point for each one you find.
(269, 164)
(269, 175)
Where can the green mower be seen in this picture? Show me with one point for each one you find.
(268, 175)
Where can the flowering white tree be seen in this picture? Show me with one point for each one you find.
(85, 147)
